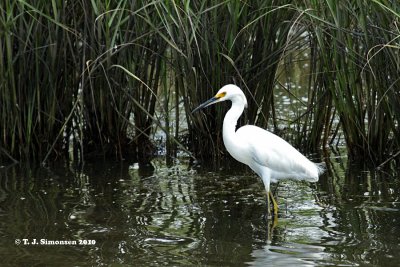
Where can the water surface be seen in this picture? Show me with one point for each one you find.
(125, 216)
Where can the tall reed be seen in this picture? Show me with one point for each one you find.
(215, 43)
(61, 87)
(88, 77)
(358, 65)
(122, 34)
(36, 77)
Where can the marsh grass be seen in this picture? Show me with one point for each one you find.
(357, 64)
(35, 79)
(84, 79)
(228, 42)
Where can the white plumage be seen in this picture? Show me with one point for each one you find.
(271, 157)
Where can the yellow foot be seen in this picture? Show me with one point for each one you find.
(274, 215)
(274, 203)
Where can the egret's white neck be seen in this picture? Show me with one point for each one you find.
(230, 121)
(232, 117)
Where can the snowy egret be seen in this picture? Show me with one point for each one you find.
(268, 155)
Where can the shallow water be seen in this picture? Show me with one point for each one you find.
(120, 215)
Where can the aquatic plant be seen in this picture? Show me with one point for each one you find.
(227, 42)
(357, 64)
(83, 79)
(62, 89)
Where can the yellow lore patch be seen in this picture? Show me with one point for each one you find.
(220, 95)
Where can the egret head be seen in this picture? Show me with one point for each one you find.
(227, 92)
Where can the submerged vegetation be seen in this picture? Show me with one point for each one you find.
(90, 78)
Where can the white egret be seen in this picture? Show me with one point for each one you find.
(268, 155)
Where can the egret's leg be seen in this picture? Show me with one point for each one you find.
(268, 205)
(274, 203)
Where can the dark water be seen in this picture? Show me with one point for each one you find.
(119, 215)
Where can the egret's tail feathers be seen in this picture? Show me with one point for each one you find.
(317, 171)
